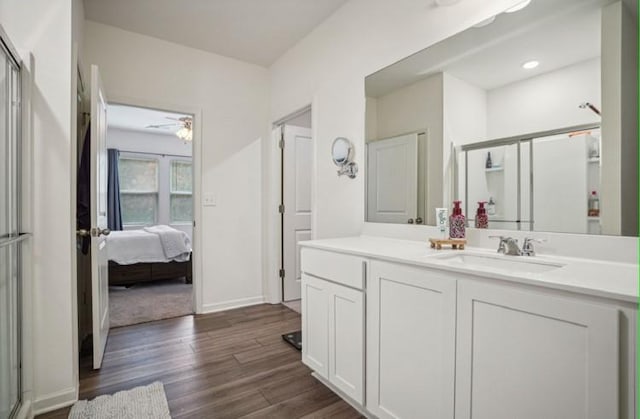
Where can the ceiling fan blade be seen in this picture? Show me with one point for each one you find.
(164, 126)
(181, 120)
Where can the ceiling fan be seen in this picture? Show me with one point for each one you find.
(185, 132)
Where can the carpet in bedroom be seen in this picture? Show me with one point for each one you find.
(148, 302)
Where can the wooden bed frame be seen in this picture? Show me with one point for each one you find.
(149, 272)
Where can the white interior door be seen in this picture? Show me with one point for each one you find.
(392, 182)
(99, 265)
(296, 176)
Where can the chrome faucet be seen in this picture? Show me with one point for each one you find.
(527, 246)
(508, 245)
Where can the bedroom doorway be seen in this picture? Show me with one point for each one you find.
(150, 208)
(150, 269)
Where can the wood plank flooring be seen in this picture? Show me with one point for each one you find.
(230, 364)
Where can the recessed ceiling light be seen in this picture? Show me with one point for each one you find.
(530, 64)
(485, 22)
(518, 6)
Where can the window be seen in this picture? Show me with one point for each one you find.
(181, 191)
(138, 190)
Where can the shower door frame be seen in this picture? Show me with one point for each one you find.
(517, 140)
(16, 238)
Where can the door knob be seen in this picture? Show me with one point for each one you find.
(97, 232)
(83, 233)
(410, 221)
(419, 220)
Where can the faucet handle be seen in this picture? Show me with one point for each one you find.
(527, 246)
(501, 245)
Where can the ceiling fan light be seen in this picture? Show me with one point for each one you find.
(185, 134)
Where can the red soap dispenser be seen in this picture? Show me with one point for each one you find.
(482, 219)
(456, 222)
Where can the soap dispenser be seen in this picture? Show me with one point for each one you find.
(491, 207)
(456, 222)
(482, 219)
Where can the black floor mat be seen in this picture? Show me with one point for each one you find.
(294, 339)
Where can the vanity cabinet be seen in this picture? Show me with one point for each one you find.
(411, 323)
(333, 319)
(444, 344)
(525, 354)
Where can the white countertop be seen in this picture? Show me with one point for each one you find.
(613, 280)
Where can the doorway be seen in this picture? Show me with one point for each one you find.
(150, 206)
(296, 150)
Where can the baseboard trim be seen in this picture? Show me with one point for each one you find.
(228, 305)
(54, 401)
(25, 411)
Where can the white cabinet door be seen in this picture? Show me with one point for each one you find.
(346, 341)
(315, 322)
(411, 321)
(527, 355)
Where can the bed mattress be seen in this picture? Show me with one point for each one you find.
(139, 246)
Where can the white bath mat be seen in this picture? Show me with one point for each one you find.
(138, 403)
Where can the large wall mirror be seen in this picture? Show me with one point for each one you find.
(533, 112)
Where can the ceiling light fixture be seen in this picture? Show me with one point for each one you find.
(530, 65)
(185, 133)
(518, 6)
(485, 22)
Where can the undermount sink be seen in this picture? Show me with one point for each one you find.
(521, 264)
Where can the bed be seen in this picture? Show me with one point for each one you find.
(150, 254)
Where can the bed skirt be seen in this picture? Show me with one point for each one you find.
(149, 272)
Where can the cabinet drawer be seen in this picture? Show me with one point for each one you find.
(336, 267)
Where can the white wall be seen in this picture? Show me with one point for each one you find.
(411, 108)
(44, 29)
(327, 68)
(545, 102)
(464, 121)
(416, 107)
(233, 98)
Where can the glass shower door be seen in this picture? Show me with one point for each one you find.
(10, 238)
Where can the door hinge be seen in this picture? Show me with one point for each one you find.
(281, 142)
(281, 273)
(194, 223)
(281, 208)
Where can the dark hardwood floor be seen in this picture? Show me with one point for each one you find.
(222, 365)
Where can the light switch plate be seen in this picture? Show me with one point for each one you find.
(209, 200)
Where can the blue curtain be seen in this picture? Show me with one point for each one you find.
(114, 214)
